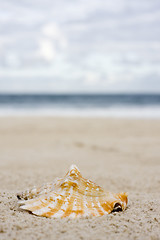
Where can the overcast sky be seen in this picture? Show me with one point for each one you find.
(80, 46)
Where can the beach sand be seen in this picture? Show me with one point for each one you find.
(117, 154)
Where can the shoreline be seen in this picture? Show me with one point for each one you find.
(85, 115)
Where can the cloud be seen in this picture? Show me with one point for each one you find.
(46, 50)
(79, 46)
(91, 78)
(53, 32)
(52, 42)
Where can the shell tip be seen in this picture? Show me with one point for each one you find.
(73, 167)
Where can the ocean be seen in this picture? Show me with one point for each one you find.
(81, 105)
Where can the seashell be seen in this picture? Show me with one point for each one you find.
(72, 196)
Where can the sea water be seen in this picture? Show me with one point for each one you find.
(81, 105)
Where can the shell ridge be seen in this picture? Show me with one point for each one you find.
(37, 203)
(100, 209)
(69, 207)
(60, 202)
(37, 191)
(90, 206)
(80, 208)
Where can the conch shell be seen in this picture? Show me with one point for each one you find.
(72, 196)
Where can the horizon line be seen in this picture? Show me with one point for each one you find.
(80, 93)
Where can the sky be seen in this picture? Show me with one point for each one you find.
(75, 46)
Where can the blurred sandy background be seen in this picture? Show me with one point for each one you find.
(119, 155)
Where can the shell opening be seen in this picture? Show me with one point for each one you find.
(117, 207)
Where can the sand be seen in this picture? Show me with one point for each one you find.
(119, 155)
